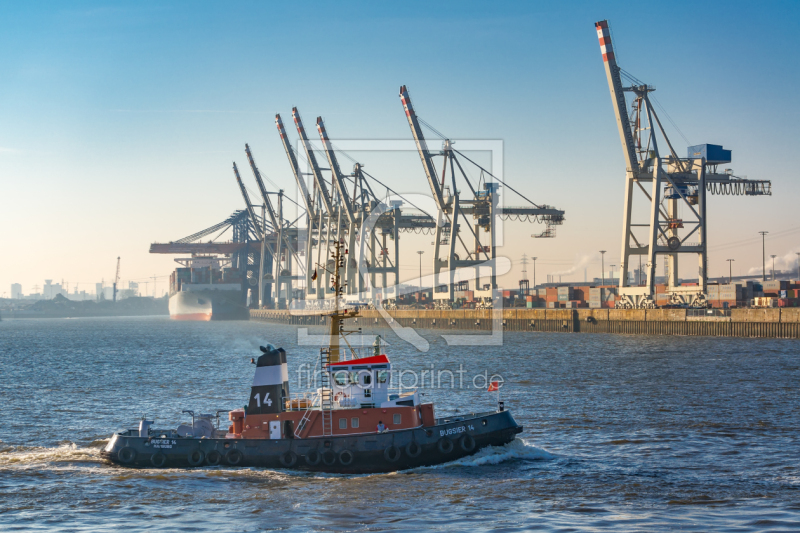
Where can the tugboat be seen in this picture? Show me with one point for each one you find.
(352, 424)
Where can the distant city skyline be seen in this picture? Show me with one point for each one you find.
(122, 120)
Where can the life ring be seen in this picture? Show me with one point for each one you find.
(196, 457)
(158, 459)
(213, 458)
(466, 442)
(312, 458)
(445, 445)
(328, 457)
(413, 449)
(234, 457)
(288, 459)
(391, 453)
(339, 396)
(346, 457)
(126, 455)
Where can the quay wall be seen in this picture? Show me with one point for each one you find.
(769, 323)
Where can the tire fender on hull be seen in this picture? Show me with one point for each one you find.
(196, 457)
(313, 457)
(346, 457)
(234, 457)
(288, 459)
(413, 449)
(328, 457)
(213, 458)
(126, 455)
(391, 453)
(467, 442)
(445, 445)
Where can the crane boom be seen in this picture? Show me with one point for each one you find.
(315, 170)
(422, 147)
(298, 176)
(335, 170)
(247, 203)
(617, 96)
(261, 188)
(274, 218)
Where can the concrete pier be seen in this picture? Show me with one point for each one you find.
(770, 323)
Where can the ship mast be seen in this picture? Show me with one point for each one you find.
(338, 316)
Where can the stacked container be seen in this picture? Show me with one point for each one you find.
(564, 294)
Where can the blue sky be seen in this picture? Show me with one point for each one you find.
(121, 120)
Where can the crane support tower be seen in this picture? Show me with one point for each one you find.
(675, 189)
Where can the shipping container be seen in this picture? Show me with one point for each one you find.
(775, 285)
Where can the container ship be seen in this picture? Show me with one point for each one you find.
(203, 290)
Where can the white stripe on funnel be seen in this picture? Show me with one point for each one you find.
(271, 375)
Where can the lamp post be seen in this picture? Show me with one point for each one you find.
(534, 271)
(730, 270)
(419, 296)
(773, 266)
(603, 266)
(763, 256)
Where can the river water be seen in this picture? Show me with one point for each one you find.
(627, 433)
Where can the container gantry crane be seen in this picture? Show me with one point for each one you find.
(332, 220)
(453, 211)
(327, 213)
(675, 184)
(312, 207)
(284, 247)
(346, 206)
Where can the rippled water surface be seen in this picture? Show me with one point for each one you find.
(621, 433)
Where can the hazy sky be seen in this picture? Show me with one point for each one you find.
(120, 120)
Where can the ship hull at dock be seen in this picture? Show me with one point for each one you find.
(366, 453)
(207, 304)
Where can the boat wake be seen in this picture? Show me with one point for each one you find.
(516, 450)
(25, 457)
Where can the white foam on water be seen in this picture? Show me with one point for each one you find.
(493, 455)
(24, 457)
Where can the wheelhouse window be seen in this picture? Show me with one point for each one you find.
(382, 376)
(354, 422)
(397, 418)
(342, 423)
(366, 379)
(340, 378)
